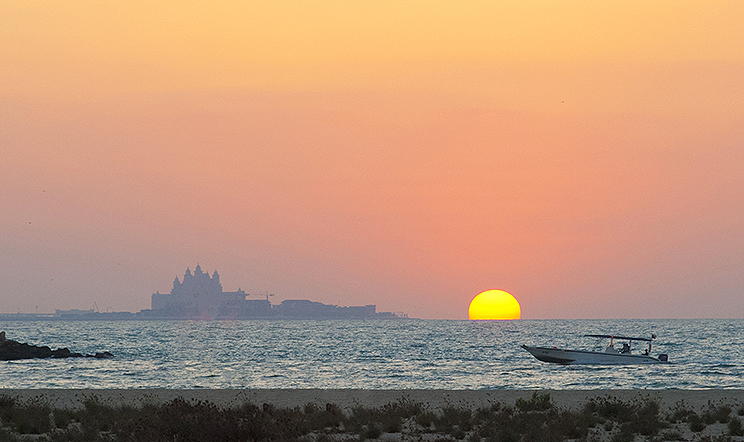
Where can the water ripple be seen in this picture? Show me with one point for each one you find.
(368, 354)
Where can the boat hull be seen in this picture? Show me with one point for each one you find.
(572, 357)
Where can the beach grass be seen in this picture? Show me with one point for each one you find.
(534, 418)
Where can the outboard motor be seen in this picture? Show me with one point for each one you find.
(663, 357)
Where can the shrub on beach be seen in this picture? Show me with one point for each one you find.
(534, 419)
(538, 402)
(735, 427)
(634, 417)
(33, 417)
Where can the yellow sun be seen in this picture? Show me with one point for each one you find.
(494, 304)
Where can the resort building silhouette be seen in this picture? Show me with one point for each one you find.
(200, 295)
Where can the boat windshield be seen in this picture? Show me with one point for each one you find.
(624, 347)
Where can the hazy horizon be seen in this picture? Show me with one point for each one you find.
(586, 158)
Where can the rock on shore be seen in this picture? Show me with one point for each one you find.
(13, 350)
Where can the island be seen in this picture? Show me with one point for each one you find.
(199, 296)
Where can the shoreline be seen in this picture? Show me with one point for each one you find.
(348, 399)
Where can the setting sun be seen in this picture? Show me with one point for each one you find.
(494, 304)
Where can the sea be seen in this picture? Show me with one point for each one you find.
(370, 354)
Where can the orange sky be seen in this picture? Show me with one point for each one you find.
(587, 157)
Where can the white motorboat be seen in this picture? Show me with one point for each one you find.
(610, 355)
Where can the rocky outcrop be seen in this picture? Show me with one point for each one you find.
(13, 350)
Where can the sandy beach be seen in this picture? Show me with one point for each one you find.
(434, 399)
(425, 415)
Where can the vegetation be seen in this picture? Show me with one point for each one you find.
(534, 419)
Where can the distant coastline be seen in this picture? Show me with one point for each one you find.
(199, 296)
(145, 315)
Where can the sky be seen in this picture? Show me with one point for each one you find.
(587, 157)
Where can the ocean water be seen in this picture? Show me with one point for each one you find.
(404, 354)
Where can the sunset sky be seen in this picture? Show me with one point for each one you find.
(585, 156)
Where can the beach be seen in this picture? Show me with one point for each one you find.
(316, 415)
(350, 398)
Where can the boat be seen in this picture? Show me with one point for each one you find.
(610, 354)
